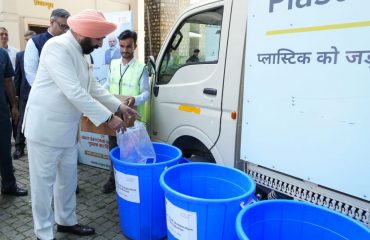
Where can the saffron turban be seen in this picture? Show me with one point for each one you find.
(90, 23)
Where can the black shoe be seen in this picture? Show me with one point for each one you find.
(77, 189)
(109, 186)
(16, 191)
(77, 229)
(18, 154)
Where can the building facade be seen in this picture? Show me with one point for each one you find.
(152, 19)
(160, 15)
(18, 16)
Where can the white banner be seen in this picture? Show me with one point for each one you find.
(306, 91)
(93, 150)
(123, 20)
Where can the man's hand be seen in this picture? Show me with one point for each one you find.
(15, 114)
(128, 114)
(116, 123)
(10, 93)
(130, 101)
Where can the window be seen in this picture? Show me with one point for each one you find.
(196, 41)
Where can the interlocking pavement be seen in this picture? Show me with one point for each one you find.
(94, 208)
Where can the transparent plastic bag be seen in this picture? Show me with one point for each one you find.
(135, 145)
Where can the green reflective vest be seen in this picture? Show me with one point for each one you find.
(127, 83)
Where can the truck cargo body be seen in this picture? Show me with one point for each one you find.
(279, 89)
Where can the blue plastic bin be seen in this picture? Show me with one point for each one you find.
(293, 220)
(203, 200)
(139, 195)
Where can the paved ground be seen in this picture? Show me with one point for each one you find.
(93, 208)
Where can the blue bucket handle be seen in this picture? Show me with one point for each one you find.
(150, 160)
(254, 199)
(181, 160)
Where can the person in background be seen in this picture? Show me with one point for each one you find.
(194, 58)
(4, 38)
(22, 89)
(127, 78)
(58, 26)
(113, 51)
(7, 92)
(63, 90)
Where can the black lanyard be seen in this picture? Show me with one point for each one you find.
(120, 80)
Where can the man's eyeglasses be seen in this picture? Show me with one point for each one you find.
(63, 27)
(4, 34)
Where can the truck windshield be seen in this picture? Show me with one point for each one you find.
(196, 41)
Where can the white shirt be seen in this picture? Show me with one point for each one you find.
(12, 52)
(112, 50)
(144, 84)
(31, 61)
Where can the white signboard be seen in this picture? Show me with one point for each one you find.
(93, 150)
(182, 224)
(307, 91)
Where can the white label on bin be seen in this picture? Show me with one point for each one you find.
(127, 186)
(182, 224)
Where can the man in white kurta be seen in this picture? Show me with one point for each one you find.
(63, 90)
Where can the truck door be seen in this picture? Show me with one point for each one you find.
(187, 92)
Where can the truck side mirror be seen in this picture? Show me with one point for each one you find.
(151, 65)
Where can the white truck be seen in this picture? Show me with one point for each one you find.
(279, 89)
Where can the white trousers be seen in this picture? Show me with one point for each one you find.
(53, 172)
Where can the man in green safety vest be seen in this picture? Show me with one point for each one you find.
(128, 79)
